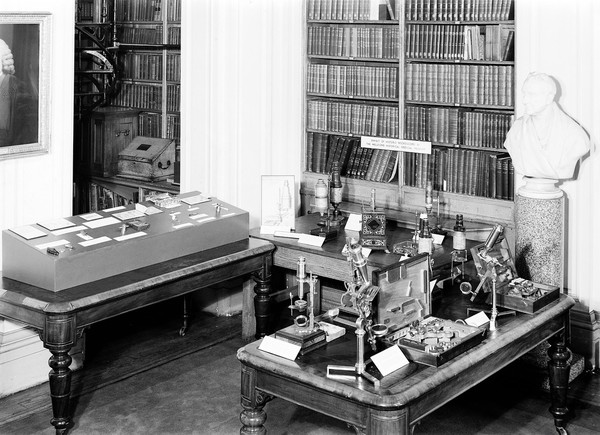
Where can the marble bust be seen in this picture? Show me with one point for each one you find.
(545, 142)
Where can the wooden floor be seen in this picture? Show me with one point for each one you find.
(152, 354)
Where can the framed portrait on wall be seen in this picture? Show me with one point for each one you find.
(25, 43)
(278, 202)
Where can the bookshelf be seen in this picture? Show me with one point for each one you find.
(143, 37)
(353, 89)
(447, 74)
(149, 37)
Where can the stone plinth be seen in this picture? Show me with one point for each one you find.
(539, 219)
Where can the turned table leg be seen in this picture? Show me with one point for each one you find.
(262, 299)
(559, 368)
(59, 336)
(253, 401)
(60, 389)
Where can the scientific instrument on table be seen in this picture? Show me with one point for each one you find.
(325, 228)
(429, 200)
(335, 195)
(422, 240)
(359, 295)
(373, 226)
(460, 279)
(305, 320)
(494, 267)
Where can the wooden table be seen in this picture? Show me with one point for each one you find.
(409, 394)
(61, 317)
(327, 261)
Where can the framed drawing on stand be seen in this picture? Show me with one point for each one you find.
(278, 203)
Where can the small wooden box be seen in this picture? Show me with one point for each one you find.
(404, 306)
(508, 297)
(148, 159)
(507, 282)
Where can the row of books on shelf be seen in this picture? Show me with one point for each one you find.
(148, 96)
(93, 11)
(353, 118)
(147, 10)
(466, 172)
(459, 10)
(355, 161)
(140, 34)
(100, 198)
(174, 35)
(143, 66)
(458, 42)
(460, 84)
(457, 126)
(149, 66)
(353, 80)
(144, 34)
(140, 95)
(173, 98)
(150, 124)
(368, 42)
(349, 10)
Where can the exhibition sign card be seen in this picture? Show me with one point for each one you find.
(389, 360)
(279, 347)
(28, 232)
(56, 224)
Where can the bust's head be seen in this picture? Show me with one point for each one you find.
(539, 91)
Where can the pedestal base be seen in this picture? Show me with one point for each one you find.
(539, 223)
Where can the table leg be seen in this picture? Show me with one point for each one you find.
(253, 401)
(60, 389)
(388, 422)
(559, 368)
(59, 336)
(262, 299)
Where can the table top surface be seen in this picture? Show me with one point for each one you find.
(333, 248)
(515, 336)
(119, 286)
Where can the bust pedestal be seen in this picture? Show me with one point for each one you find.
(539, 221)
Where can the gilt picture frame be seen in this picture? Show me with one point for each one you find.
(25, 65)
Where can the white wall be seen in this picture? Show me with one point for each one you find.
(562, 38)
(241, 83)
(40, 187)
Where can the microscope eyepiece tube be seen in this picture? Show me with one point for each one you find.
(492, 238)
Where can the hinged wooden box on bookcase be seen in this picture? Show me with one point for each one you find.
(148, 159)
